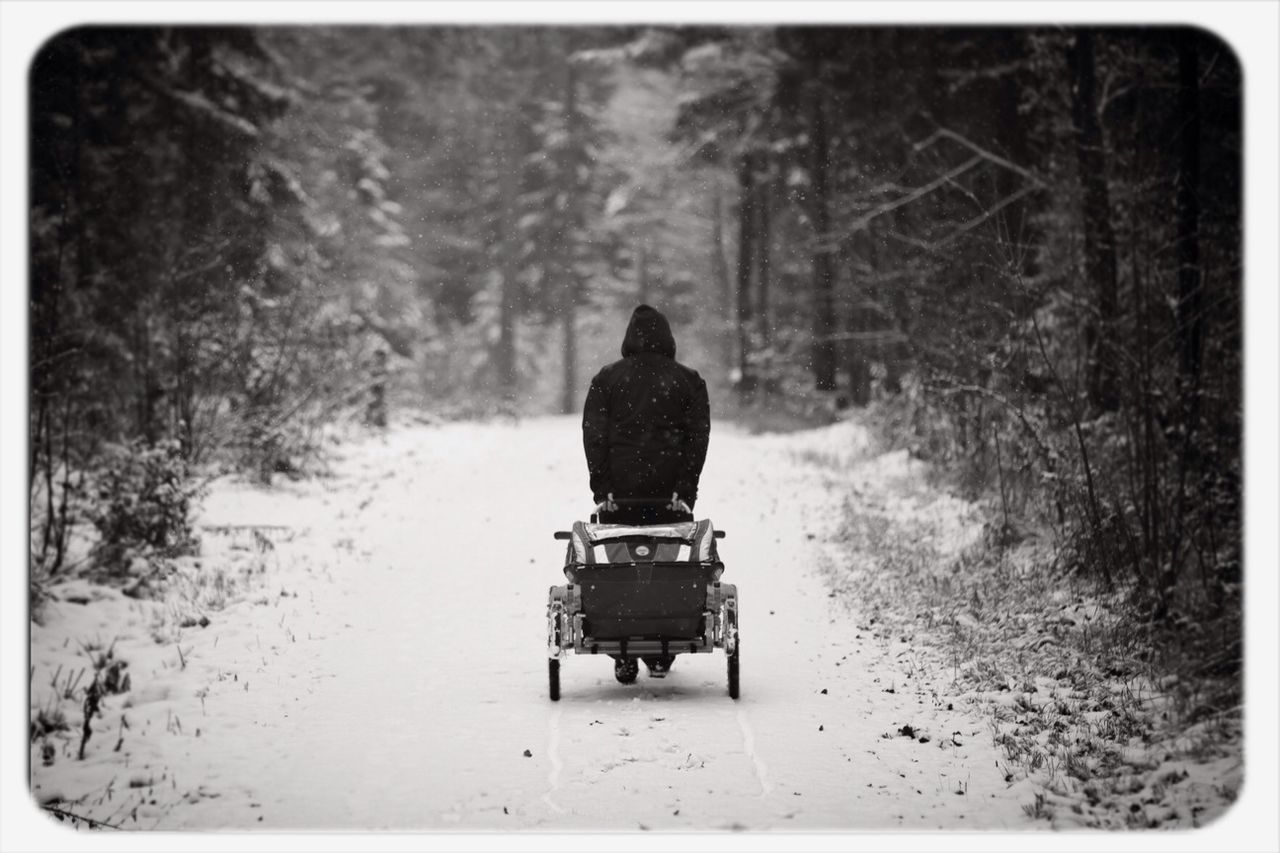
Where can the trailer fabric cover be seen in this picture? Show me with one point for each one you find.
(596, 544)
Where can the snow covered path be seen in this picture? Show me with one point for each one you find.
(388, 672)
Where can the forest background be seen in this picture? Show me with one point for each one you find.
(1023, 244)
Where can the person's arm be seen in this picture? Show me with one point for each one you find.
(698, 433)
(595, 439)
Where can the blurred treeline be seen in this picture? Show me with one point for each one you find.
(1022, 245)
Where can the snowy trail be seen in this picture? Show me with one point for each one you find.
(393, 676)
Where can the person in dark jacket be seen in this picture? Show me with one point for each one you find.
(645, 425)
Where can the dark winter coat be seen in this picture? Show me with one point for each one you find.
(646, 421)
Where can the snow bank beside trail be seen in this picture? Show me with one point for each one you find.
(837, 445)
(886, 489)
(177, 739)
(1060, 672)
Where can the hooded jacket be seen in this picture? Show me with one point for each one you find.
(646, 420)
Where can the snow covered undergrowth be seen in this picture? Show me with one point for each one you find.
(1080, 699)
(367, 651)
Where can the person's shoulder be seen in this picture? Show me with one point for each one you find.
(690, 375)
(609, 371)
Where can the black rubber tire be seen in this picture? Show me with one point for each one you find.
(553, 679)
(733, 658)
(629, 673)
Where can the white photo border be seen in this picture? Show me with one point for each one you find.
(1253, 30)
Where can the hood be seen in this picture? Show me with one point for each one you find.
(648, 331)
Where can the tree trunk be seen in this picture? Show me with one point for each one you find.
(642, 272)
(505, 353)
(824, 352)
(568, 323)
(720, 271)
(857, 364)
(1190, 312)
(764, 224)
(1099, 236)
(568, 269)
(859, 353)
(1011, 131)
(148, 387)
(746, 256)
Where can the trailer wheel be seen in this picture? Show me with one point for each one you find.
(553, 678)
(731, 624)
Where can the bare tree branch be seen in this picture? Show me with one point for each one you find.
(984, 153)
(934, 245)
